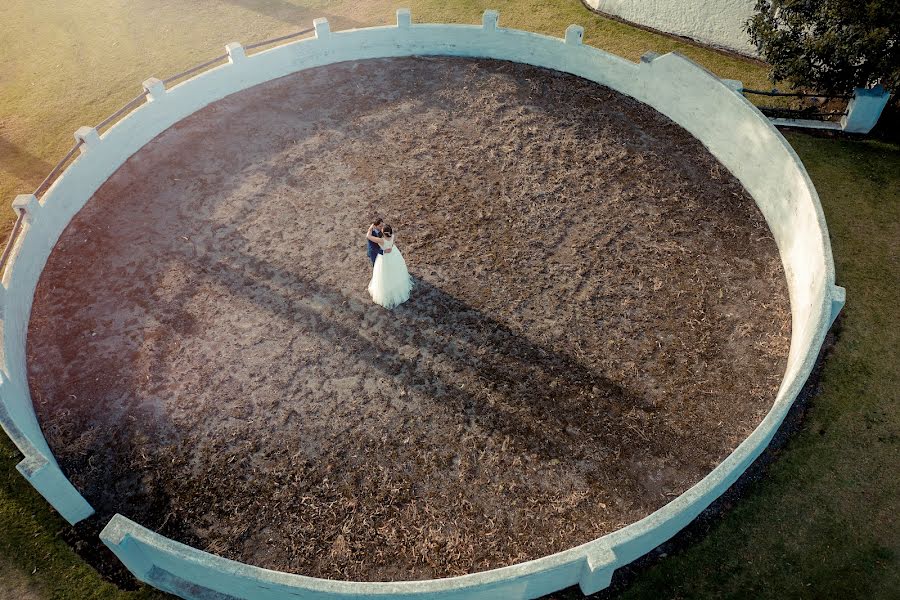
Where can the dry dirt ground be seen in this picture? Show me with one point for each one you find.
(600, 317)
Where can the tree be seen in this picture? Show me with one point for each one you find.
(829, 46)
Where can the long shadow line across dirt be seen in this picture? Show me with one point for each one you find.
(600, 315)
(554, 379)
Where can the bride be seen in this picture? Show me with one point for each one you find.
(391, 283)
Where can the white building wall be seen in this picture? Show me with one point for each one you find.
(716, 22)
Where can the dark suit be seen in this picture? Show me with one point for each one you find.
(374, 249)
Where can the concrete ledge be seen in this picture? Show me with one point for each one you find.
(598, 570)
(235, 52)
(733, 130)
(864, 109)
(807, 124)
(49, 481)
(177, 568)
(39, 467)
(28, 204)
(155, 89)
(88, 137)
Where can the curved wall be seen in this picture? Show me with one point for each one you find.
(723, 120)
(715, 22)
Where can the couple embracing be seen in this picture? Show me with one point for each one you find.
(391, 284)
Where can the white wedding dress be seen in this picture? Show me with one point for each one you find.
(391, 283)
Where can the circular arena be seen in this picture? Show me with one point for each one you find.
(600, 317)
(614, 307)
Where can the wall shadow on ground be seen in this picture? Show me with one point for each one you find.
(497, 355)
(288, 12)
(544, 392)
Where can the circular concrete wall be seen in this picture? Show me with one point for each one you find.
(737, 134)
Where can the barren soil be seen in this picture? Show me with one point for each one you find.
(600, 317)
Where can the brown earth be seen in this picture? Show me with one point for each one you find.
(600, 317)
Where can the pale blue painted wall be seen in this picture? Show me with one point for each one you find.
(734, 131)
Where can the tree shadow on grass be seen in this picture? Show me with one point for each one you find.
(289, 12)
(20, 163)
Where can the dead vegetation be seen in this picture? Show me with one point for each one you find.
(600, 317)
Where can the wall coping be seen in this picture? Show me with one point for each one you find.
(734, 131)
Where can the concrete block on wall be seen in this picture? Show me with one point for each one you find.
(865, 109)
(323, 29)
(88, 137)
(574, 34)
(838, 299)
(598, 569)
(489, 20)
(235, 52)
(47, 478)
(27, 203)
(735, 84)
(155, 89)
(404, 18)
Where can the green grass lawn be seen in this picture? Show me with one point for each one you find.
(822, 523)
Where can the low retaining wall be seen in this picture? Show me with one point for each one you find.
(722, 119)
(17, 415)
(716, 22)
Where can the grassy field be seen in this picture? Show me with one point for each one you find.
(81, 60)
(823, 521)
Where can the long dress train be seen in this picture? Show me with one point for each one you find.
(391, 283)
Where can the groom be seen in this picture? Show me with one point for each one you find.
(372, 235)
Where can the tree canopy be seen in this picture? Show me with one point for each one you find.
(829, 46)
